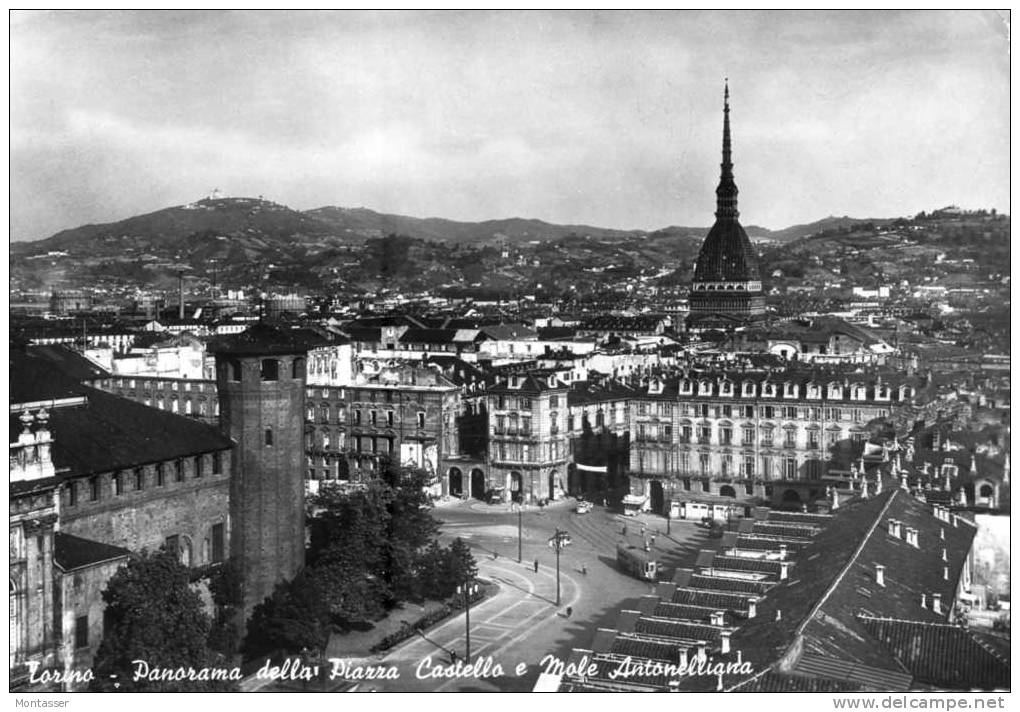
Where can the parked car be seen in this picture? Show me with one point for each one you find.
(565, 540)
(583, 507)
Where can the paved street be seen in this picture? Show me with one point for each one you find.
(522, 624)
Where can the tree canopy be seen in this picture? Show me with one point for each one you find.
(154, 615)
(370, 548)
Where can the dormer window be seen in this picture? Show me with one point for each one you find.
(704, 388)
(814, 391)
(747, 389)
(685, 386)
(655, 387)
(789, 390)
(726, 388)
(835, 390)
(859, 392)
(768, 390)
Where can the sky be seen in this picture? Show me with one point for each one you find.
(611, 119)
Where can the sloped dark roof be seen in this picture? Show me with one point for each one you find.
(36, 379)
(428, 336)
(508, 331)
(528, 384)
(110, 433)
(940, 655)
(775, 682)
(71, 363)
(367, 334)
(834, 579)
(265, 338)
(727, 255)
(74, 552)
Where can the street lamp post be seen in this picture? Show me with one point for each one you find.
(468, 589)
(557, 542)
(520, 536)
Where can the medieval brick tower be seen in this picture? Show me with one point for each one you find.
(726, 290)
(260, 377)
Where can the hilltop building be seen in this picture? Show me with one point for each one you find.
(726, 290)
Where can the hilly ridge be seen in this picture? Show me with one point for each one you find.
(252, 241)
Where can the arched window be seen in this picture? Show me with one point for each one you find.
(270, 370)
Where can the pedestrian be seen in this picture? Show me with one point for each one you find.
(625, 530)
(536, 566)
(570, 611)
(584, 569)
(653, 539)
(495, 555)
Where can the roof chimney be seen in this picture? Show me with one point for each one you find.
(681, 654)
(717, 618)
(752, 607)
(894, 528)
(779, 614)
(945, 557)
(942, 533)
(784, 551)
(924, 601)
(784, 570)
(936, 602)
(880, 574)
(724, 641)
(912, 537)
(702, 651)
(945, 573)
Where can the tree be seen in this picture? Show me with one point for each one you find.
(152, 614)
(226, 589)
(293, 618)
(459, 566)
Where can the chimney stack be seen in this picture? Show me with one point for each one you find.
(936, 602)
(724, 641)
(752, 607)
(912, 537)
(945, 573)
(180, 295)
(702, 651)
(880, 574)
(784, 570)
(779, 614)
(717, 618)
(681, 654)
(924, 601)
(945, 556)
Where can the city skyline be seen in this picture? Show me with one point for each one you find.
(608, 119)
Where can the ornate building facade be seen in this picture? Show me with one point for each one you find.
(714, 439)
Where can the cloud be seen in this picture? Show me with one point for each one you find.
(604, 118)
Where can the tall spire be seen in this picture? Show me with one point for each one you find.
(726, 193)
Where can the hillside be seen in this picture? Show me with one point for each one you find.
(247, 242)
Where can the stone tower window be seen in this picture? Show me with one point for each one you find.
(235, 370)
(270, 369)
(297, 368)
(269, 436)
